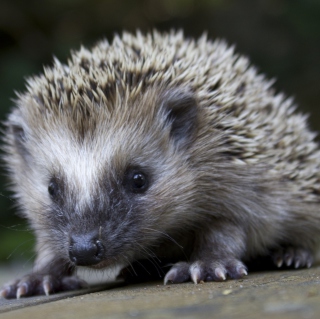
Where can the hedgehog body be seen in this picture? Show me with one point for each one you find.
(158, 146)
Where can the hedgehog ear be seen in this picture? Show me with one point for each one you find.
(19, 139)
(180, 108)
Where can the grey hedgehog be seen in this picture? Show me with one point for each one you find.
(160, 147)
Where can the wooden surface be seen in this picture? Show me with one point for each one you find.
(278, 294)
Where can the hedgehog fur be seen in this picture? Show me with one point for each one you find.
(159, 146)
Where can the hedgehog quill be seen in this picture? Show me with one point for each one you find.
(159, 146)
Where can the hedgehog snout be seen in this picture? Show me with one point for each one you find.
(86, 249)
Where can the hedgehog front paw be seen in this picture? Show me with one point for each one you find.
(40, 284)
(205, 271)
(290, 256)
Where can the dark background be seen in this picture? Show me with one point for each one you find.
(282, 37)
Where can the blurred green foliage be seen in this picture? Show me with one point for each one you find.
(282, 37)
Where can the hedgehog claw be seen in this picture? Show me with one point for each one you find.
(170, 276)
(22, 290)
(220, 274)
(6, 292)
(195, 273)
(46, 285)
(178, 273)
(279, 262)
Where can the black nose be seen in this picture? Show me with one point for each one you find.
(85, 249)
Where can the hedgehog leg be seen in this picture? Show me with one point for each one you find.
(217, 271)
(216, 255)
(292, 256)
(52, 279)
(38, 284)
(201, 270)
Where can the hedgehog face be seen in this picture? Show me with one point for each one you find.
(105, 187)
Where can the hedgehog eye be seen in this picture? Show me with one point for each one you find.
(139, 181)
(136, 181)
(53, 188)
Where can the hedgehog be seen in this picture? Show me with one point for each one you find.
(160, 147)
